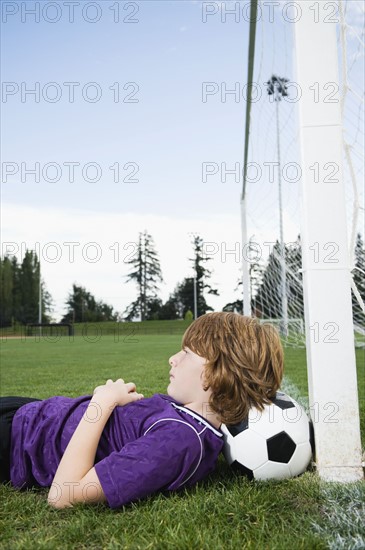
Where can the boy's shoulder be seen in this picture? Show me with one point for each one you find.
(150, 409)
(163, 409)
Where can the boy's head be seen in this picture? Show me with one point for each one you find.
(244, 365)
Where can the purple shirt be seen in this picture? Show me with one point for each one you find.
(146, 446)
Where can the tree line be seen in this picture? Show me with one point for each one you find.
(265, 279)
(20, 284)
(20, 289)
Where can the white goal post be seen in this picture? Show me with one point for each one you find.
(327, 285)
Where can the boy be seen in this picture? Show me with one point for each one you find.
(117, 446)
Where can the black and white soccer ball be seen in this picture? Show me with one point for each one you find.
(275, 443)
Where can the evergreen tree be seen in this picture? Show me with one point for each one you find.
(146, 273)
(47, 304)
(359, 280)
(29, 288)
(202, 276)
(265, 284)
(182, 299)
(268, 297)
(236, 306)
(104, 312)
(16, 289)
(6, 292)
(75, 305)
(294, 280)
(19, 296)
(154, 306)
(267, 301)
(82, 307)
(256, 270)
(169, 309)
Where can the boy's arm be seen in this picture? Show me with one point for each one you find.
(75, 479)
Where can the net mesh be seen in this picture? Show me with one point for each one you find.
(274, 140)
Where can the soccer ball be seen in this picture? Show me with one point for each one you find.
(275, 443)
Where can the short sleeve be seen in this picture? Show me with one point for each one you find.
(163, 459)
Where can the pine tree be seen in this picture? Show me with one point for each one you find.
(265, 284)
(202, 275)
(236, 306)
(19, 297)
(294, 280)
(359, 280)
(76, 303)
(16, 289)
(268, 297)
(6, 292)
(256, 270)
(47, 303)
(182, 299)
(29, 288)
(82, 307)
(170, 310)
(146, 273)
(154, 306)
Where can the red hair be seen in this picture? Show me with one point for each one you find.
(244, 365)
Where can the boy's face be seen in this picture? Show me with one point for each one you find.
(187, 378)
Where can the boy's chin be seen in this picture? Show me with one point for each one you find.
(171, 393)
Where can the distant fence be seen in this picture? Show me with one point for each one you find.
(121, 329)
(129, 329)
(50, 329)
(93, 331)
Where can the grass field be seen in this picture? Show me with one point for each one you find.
(223, 511)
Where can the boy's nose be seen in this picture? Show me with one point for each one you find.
(174, 359)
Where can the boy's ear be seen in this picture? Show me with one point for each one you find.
(204, 382)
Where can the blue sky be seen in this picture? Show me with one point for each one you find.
(168, 54)
(167, 134)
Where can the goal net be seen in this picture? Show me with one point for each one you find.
(273, 173)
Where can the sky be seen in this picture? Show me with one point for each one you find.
(130, 127)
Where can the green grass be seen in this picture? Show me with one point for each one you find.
(223, 511)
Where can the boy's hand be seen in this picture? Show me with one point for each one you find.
(119, 392)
